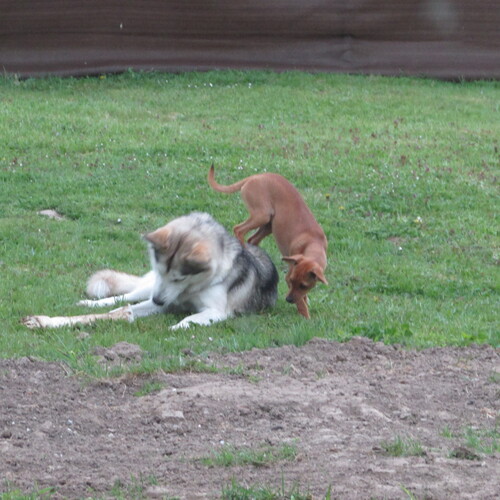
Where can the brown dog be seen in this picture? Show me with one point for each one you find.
(276, 207)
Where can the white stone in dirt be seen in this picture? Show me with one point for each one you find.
(165, 413)
(369, 413)
(48, 428)
(162, 407)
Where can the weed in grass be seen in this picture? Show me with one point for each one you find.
(149, 388)
(485, 441)
(230, 456)
(402, 447)
(464, 453)
(495, 377)
(195, 366)
(239, 370)
(254, 379)
(409, 494)
(135, 488)
(13, 493)
(237, 491)
(447, 432)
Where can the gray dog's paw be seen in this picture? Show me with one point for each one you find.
(35, 321)
(86, 303)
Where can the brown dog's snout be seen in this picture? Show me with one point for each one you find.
(290, 299)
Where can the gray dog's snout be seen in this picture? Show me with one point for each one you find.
(158, 301)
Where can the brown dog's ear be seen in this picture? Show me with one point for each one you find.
(293, 259)
(318, 275)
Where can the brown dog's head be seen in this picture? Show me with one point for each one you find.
(303, 274)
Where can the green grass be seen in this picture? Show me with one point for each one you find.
(13, 493)
(135, 488)
(230, 456)
(409, 494)
(402, 447)
(149, 387)
(237, 491)
(401, 173)
(482, 440)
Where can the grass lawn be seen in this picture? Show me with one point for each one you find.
(402, 174)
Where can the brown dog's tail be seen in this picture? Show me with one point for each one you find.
(232, 188)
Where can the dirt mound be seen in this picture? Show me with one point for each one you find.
(340, 407)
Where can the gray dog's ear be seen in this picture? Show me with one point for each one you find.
(198, 259)
(159, 238)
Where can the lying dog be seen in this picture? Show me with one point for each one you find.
(276, 207)
(197, 268)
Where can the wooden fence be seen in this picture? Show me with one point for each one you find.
(449, 39)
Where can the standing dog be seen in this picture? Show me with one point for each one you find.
(197, 268)
(276, 207)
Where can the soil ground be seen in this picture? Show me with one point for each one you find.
(336, 404)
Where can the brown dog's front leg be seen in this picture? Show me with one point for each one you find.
(302, 307)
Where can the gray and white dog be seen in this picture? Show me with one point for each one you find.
(197, 268)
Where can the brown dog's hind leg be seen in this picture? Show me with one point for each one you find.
(260, 234)
(253, 222)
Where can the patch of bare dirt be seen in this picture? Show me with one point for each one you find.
(337, 403)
